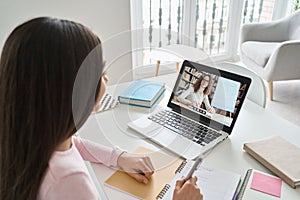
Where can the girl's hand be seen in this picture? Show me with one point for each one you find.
(187, 190)
(139, 167)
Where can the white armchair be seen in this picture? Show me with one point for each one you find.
(272, 49)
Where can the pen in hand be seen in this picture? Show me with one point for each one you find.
(198, 160)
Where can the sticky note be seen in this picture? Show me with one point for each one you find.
(266, 183)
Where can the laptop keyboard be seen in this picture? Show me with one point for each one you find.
(185, 127)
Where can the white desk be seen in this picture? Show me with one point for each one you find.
(254, 122)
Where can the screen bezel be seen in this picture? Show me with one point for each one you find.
(202, 119)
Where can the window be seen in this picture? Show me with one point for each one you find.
(211, 25)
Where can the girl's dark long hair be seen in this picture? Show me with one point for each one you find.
(39, 65)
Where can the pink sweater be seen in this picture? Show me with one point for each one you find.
(67, 176)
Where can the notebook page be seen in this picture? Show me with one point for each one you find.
(215, 184)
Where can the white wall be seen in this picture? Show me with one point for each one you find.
(109, 19)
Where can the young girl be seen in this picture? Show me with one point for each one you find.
(45, 98)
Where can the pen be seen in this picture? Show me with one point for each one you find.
(198, 160)
(141, 172)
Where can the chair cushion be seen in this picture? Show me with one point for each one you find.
(259, 52)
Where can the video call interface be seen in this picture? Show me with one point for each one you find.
(209, 95)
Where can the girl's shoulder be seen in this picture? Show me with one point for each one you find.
(76, 185)
(66, 170)
(65, 163)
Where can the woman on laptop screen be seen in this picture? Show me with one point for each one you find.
(198, 93)
(209, 94)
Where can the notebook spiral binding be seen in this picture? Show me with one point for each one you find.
(244, 184)
(181, 166)
(167, 186)
(163, 192)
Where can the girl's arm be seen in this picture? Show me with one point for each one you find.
(139, 167)
(97, 153)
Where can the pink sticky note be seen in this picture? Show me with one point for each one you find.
(267, 184)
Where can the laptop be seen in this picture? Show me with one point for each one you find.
(201, 112)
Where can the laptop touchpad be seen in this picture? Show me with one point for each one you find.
(170, 140)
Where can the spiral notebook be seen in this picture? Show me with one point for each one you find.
(215, 184)
(107, 102)
(165, 166)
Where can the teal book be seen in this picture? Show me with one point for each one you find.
(142, 93)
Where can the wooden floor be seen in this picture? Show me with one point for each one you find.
(286, 100)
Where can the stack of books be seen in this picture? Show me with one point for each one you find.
(142, 93)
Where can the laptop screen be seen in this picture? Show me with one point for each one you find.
(208, 95)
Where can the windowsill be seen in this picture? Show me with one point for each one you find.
(147, 71)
